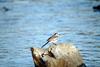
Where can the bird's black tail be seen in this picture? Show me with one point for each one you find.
(45, 44)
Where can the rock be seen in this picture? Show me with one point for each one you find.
(61, 55)
(96, 8)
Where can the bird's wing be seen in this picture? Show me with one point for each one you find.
(52, 37)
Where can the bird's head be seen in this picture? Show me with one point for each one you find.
(56, 34)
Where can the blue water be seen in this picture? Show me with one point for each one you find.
(28, 23)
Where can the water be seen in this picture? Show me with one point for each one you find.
(29, 23)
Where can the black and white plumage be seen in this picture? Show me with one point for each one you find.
(52, 39)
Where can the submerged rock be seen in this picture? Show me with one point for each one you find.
(5, 9)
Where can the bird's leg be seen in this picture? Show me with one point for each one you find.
(54, 43)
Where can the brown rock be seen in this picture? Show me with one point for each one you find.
(61, 55)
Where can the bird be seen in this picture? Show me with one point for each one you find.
(96, 8)
(5, 8)
(52, 39)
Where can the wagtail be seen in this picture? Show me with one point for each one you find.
(52, 39)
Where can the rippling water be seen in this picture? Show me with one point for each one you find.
(29, 23)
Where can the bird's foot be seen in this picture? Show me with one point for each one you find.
(54, 43)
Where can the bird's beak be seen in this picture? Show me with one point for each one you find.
(60, 35)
